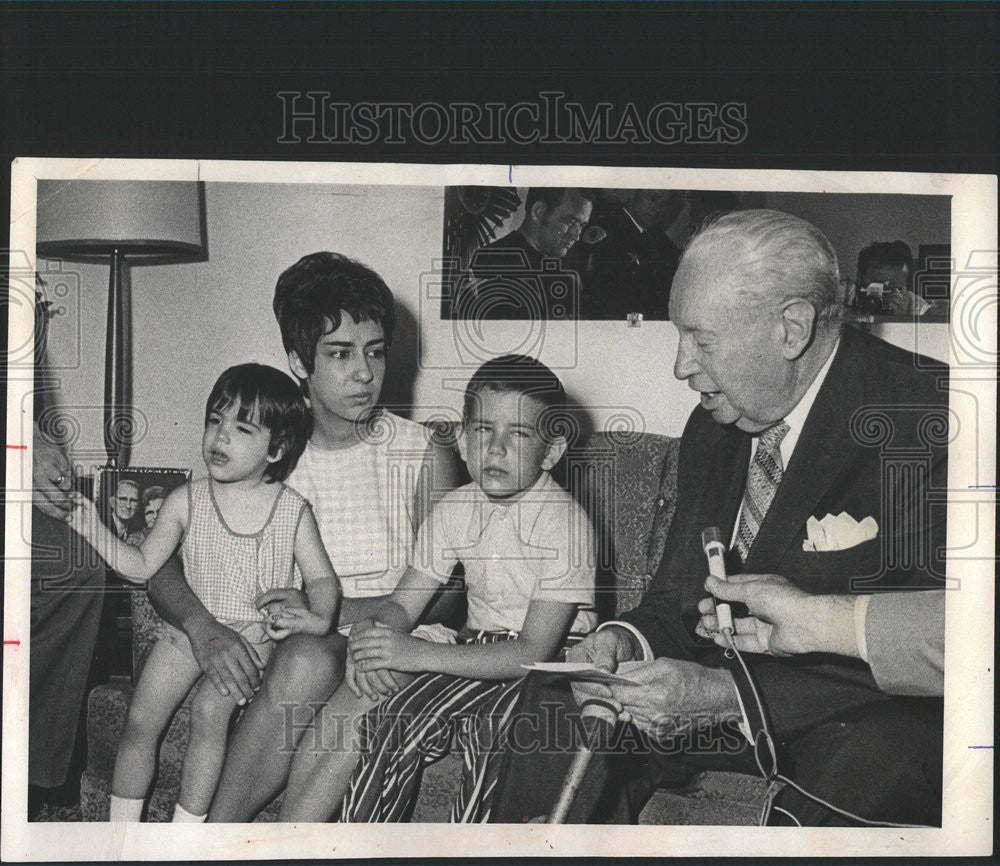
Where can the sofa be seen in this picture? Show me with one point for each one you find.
(626, 481)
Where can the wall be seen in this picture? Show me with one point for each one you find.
(193, 320)
(852, 221)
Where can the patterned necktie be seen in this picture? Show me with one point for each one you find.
(762, 481)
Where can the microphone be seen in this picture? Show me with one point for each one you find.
(715, 552)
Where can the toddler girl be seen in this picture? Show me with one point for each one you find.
(242, 532)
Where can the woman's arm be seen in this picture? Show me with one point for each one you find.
(402, 609)
(137, 564)
(396, 613)
(356, 609)
(545, 625)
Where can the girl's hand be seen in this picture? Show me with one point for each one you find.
(286, 596)
(271, 614)
(382, 648)
(82, 516)
(282, 608)
(288, 619)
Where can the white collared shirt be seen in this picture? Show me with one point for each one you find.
(537, 547)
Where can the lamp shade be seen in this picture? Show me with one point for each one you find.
(82, 218)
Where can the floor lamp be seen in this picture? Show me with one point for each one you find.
(151, 222)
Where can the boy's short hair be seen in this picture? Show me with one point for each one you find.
(320, 287)
(527, 376)
(268, 397)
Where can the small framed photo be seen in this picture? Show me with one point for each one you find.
(129, 500)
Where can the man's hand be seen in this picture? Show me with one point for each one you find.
(670, 693)
(227, 658)
(51, 478)
(604, 649)
(900, 302)
(784, 619)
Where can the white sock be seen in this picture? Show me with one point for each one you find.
(125, 809)
(183, 816)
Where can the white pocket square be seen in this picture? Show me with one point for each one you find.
(838, 533)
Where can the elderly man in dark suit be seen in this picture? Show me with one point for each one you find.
(798, 419)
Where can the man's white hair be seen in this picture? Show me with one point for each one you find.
(780, 256)
(124, 482)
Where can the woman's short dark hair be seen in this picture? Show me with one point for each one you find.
(272, 399)
(317, 290)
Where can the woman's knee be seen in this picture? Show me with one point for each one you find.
(306, 665)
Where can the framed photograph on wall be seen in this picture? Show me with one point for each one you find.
(549, 254)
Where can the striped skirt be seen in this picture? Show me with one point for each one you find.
(416, 727)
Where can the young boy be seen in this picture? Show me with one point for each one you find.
(527, 549)
(336, 317)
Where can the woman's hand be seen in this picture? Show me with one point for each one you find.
(381, 648)
(374, 685)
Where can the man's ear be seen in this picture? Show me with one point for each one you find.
(798, 321)
(554, 453)
(538, 211)
(460, 442)
(279, 452)
(296, 365)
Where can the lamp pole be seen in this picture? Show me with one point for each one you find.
(118, 422)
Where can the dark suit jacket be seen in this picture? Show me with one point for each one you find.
(510, 279)
(874, 443)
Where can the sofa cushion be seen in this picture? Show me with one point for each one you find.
(627, 483)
